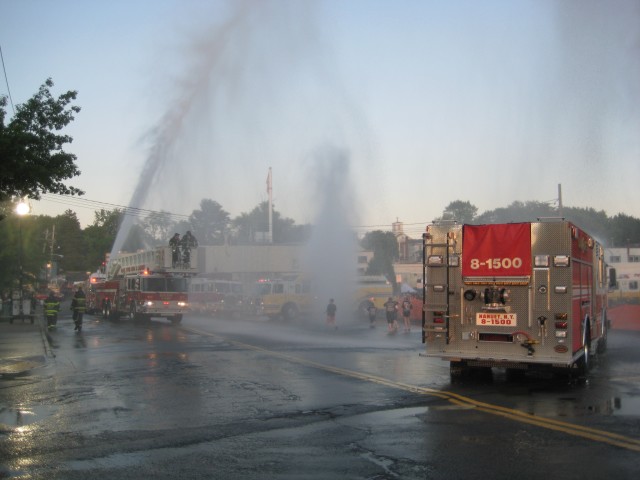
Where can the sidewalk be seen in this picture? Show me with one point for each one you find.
(23, 346)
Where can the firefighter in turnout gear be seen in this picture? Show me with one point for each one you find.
(174, 243)
(51, 309)
(78, 305)
(187, 243)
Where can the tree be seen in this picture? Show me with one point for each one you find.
(158, 225)
(595, 222)
(210, 223)
(528, 211)
(70, 238)
(285, 230)
(385, 251)
(33, 159)
(462, 212)
(22, 239)
(100, 236)
(623, 231)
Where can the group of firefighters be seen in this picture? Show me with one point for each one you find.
(181, 249)
(391, 308)
(78, 306)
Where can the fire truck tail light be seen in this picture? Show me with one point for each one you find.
(149, 303)
(166, 304)
(561, 261)
(470, 295)
(438, 288)
(561, 328)
(541, 261)
(438, 320)
(560, 289)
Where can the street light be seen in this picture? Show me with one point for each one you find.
(22, 209)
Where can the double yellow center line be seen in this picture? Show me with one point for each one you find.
(460, 400)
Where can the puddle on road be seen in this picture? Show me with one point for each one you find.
(20, 417)
(625, 406)
(617, 406)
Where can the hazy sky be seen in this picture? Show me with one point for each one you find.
(429, 101)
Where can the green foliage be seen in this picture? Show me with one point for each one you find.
(33, 159)
(210, 224)
(462, 212)
(518, 212)
(385, 252)
(616, 231)
(100, 236)
(23, 242)
(71, 241)
(623, 230)
(158, 226)
(246, 225)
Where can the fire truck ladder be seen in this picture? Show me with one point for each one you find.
(434, 250)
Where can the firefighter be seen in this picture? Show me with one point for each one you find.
(188, 242)
(78, 305)
(373, 313)
(51, 309)
(331, 313)
(390, 308)
(407, 306)
(174, 243)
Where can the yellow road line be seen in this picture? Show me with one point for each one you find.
(457, 399)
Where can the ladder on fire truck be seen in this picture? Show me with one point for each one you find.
(156, 260)
(436, 253)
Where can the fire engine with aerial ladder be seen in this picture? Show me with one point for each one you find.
(521, 296)
(142, 285)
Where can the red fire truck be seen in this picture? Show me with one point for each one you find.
(216, 297)
(521, 296)
(143, 285)
(93, 303)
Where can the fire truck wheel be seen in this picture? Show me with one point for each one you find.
(584, 362)
(133, 314)
(176, 319)
(458, 369)
(602, 343)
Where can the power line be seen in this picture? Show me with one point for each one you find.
(143, 212)
(6, 79)
(97, 205)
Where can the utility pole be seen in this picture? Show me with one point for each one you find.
(270, 192)
(560, 200)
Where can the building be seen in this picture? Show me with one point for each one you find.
(248, 263)
(626, 262)
(408, 268)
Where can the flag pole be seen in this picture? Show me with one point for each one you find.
(270, 192)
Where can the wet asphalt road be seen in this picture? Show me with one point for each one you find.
(249, 398)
